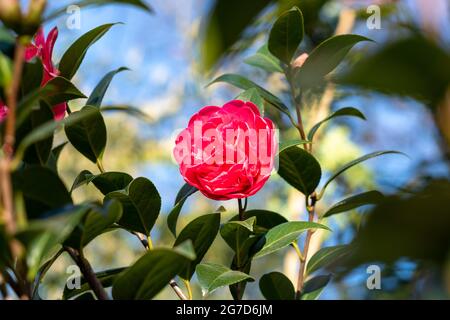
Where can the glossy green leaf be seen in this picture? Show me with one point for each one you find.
(286, 35)
(359, 200)
(325, 58)
(349, 111)
(59, 90)
(185, 191)
(72, 58)
(290, 143)
(300, 169)
(354, 163)
(325, 257)
(52, 161)
(141, 205)
(5, 70)
(314, 287)
(265, 219)
(284, 234)
(95, 3)
(105, 182)
(201, 231)
(276, 286)
(97, 95)
(94, 223)
(253, 96)
(41, 200)
(235, 232)
(129, 110)
(106, 278)
(245, 84)
(149, 275)
(212, 276)
(263, 59)
(88, 136)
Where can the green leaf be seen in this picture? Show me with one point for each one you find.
(265, 60)
(185, 191)
(141, 205)
(212, 276)
(106, 278)
(290, 143)
(253, 96)
(300, 169)
(276, 286)
(235, 232)
(325, 257)
(131, 111)
(42, 237)
(72, 58)
(265, 219)
(97, 95)
(325, 58)
(105, 182)
(94, 223)
(47, 129)
(359, 200)
(32, 75)
(5, 70)
(284, 234)
(314, 287)
(41, 200)
(286, 35)
(83, 178)
(88, 136)
(245, 84)
(5, 249)
(201, 231)
(349, 111)
(149, 275)
(354, 163)
(59, 90)
(94, 3)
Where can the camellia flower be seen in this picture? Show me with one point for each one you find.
(43, 49)
(227, 152)
(3, 111)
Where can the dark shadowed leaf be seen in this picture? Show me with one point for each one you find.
(359, 200)
(88, 136)
(263, 59)
(52, 161)
(212, 276)
(276, 286)
(40, 200)
(314, 287)
(300, 169)
(349, 111)
(59, 90)
(141, 205)
(149, 275)
(325, 58)
(286, 35)
(326, 256)
(354, 163)
(106, 278)
(284, 234)
(235, 232)
(185, 191)
(202, 231)
(72, 58)
(290, 143)
(97, 95)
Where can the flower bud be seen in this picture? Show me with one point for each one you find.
(33, 18)
(10, 13)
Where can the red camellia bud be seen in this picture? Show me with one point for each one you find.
(3, 111)
(227, 152)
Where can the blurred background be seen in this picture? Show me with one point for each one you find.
(171, 63)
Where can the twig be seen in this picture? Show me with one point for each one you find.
(88, 273)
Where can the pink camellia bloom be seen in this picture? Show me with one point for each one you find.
(43, 49)
(3, 111)
(227, 152)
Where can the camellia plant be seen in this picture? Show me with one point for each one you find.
(226, 152)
